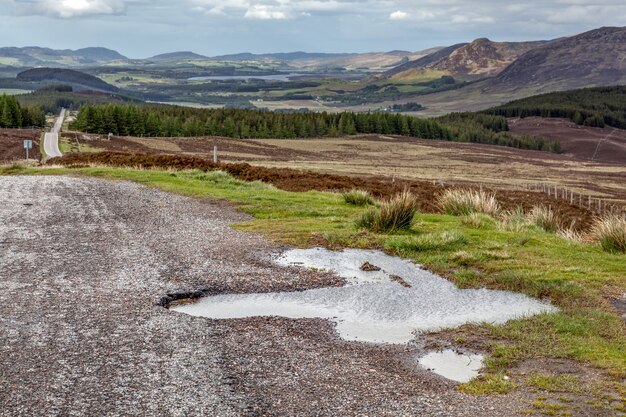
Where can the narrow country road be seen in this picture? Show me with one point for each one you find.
(51, 139)
(83, 265)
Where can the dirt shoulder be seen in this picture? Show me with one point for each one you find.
(85, 264)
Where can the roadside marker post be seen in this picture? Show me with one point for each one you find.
(28, 144)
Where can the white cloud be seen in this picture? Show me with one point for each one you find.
(399, 15)
(265, 13)
(73, 8)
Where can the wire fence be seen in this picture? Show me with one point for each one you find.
(587, 201)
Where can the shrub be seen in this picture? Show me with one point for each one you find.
(610, 232)
(462, 202)
(358, 197)
(544, 218)
(396, 213)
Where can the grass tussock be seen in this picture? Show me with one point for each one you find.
(544, 218)
(358, 197)
(397, 213)
(610, 232)
(445, 241)
(488, 385)
(514, 220)
(463, 202)
(571, 235)
(478, 221)
(555, 383)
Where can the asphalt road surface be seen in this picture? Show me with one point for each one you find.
(51, 139)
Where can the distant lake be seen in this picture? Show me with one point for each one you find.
(275, 77)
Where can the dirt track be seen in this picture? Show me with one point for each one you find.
(84, 265)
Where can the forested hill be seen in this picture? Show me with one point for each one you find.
(179, 121)
(77, 79)
(595, 107)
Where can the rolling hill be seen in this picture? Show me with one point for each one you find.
(34, 56)
(375, 61)
(37, 78)
(178, 56)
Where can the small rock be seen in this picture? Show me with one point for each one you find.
(368, 267)
(400, 281)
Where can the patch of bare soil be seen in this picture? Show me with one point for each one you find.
(12, 144)
(297, 180)
(582, 142)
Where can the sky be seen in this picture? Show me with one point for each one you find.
(143, 28)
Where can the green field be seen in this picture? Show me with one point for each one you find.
(13, 91)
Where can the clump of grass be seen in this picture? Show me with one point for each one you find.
(428, 242)
(555, 383)
(478, 221)
(571, 234)
(358, 197)
(610, 232)
(462, 202)
(544, 218)
(488, 384)
(514, 220)
(394, 214)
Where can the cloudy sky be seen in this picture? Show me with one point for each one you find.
(142, 28)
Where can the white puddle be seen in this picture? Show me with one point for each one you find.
(452, 365)
(373, 308)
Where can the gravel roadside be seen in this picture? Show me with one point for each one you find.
(83, 265)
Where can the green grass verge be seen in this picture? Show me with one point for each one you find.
(573, 276)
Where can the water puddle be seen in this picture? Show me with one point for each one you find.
(452, 365)
(390, 305)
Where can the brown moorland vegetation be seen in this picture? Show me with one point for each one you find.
(12, 144)
(299, 180)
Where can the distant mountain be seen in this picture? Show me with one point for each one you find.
(34, 56)
(481, 57)
(98, 54)
(424, 61)
(178, 56)
(594, 58)
(373, 61)
(280, 56)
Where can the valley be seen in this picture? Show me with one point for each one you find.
(435, 232)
